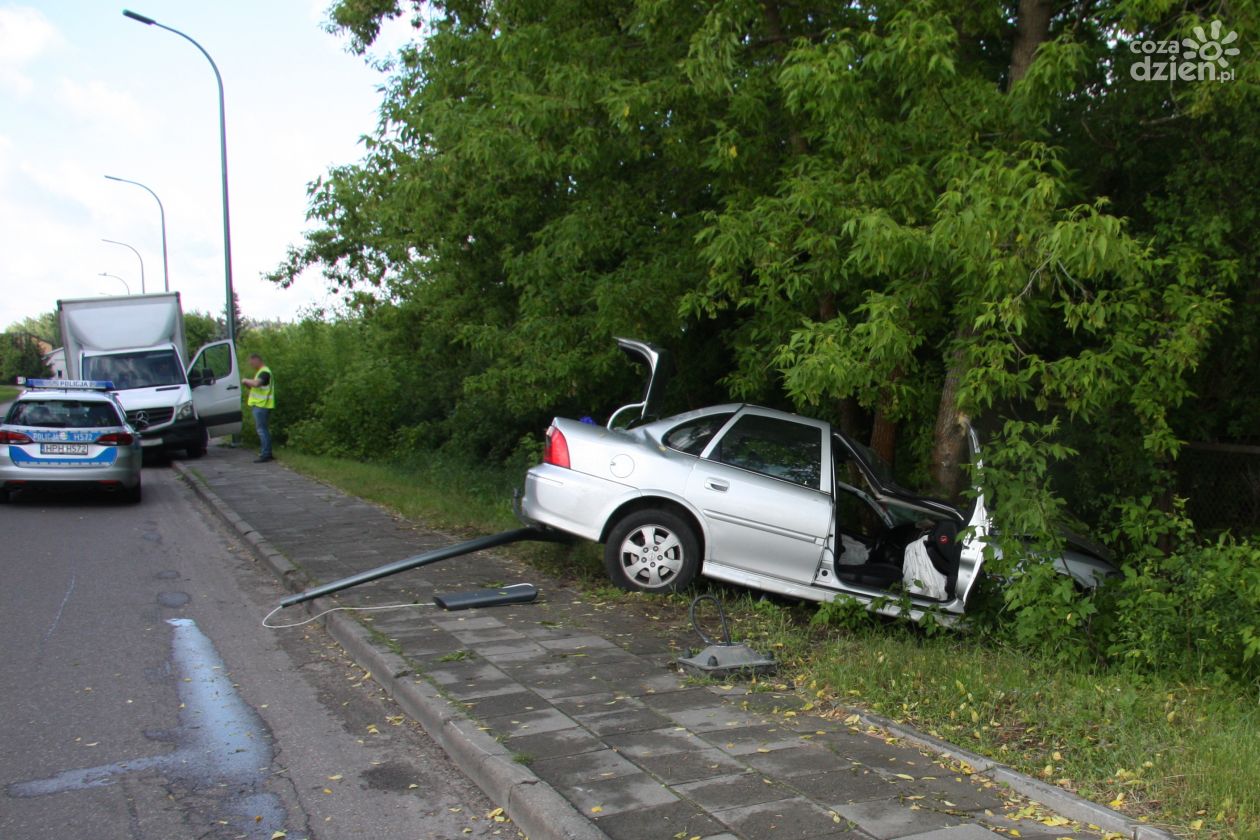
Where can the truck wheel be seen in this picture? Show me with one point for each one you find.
(652, 551)
(198, 449)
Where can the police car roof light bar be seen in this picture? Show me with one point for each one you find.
(69, 384)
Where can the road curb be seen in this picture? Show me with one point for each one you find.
(1055, 798)
(535, 807)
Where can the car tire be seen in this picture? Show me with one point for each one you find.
(132, 495)
(198, 449)
(652, 551)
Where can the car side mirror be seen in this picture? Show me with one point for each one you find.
(198, 378)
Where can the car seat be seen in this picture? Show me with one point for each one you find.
(945, 552)
(883, 566)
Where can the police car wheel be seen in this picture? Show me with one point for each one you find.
(132, 495)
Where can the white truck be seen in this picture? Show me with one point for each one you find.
(137, 342)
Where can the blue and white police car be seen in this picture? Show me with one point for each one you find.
(69, 434)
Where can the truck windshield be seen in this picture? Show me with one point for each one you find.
(140, 369)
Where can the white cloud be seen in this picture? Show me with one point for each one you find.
(96, 102)
(25, 35)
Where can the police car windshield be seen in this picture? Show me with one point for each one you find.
(146, 369)
(63, 414)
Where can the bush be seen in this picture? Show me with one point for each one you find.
(1196, 610)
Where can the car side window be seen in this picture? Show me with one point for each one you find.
(694, 435)
(774, 447)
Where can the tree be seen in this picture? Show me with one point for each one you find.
(895, 214)
(200, 328)
(20, 355)
(43, 327)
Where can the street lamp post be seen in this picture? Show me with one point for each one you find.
(112, 242)
(166, 269)
(137, 253)
(119, 279)
(227, 228)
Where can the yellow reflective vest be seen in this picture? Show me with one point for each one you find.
(264, 396)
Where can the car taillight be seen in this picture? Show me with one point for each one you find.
(557, 451)
(115, 439)
(14, 437)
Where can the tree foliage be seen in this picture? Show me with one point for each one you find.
(20, 355)
(906, 216)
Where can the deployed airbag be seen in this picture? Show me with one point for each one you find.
(919, 576)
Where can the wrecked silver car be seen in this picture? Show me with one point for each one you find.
(762, 498)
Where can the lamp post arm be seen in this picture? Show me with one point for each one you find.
(115, 242)
(227, 229)
(166, 267)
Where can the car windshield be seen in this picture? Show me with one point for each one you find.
(63, 414)
(879, 467)
(145, 369)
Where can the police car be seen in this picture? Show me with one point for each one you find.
(71, 434)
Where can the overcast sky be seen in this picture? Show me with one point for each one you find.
(86, 92)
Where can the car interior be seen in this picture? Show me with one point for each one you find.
(871, 552)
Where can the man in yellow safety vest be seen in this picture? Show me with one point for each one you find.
(262, 399)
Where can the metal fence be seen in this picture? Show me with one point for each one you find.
(1222, 483)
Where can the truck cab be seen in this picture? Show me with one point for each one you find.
(137, 342)
(170, 406)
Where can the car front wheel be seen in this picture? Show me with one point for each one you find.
(198, 449)
(652, 551)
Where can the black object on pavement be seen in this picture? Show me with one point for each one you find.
(516, 593)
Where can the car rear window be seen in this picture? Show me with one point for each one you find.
(694, 435)
(63, 414)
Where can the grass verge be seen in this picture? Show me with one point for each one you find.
(8, 392)
(1173, 750)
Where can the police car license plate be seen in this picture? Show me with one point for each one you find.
(63, 449)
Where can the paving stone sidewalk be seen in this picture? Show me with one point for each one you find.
(586, 696)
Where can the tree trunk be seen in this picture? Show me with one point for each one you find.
(884, 430)
(852, 419)
(884, 436)
(1032, 27)
(949, 447)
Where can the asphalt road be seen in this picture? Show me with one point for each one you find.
(141, 698)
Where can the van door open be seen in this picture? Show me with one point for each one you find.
(215, 379)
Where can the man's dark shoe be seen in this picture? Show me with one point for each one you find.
(262, 460)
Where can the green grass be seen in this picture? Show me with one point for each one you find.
(8, 392)
(1172, 750)
(1158, 748)
(445, 492)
